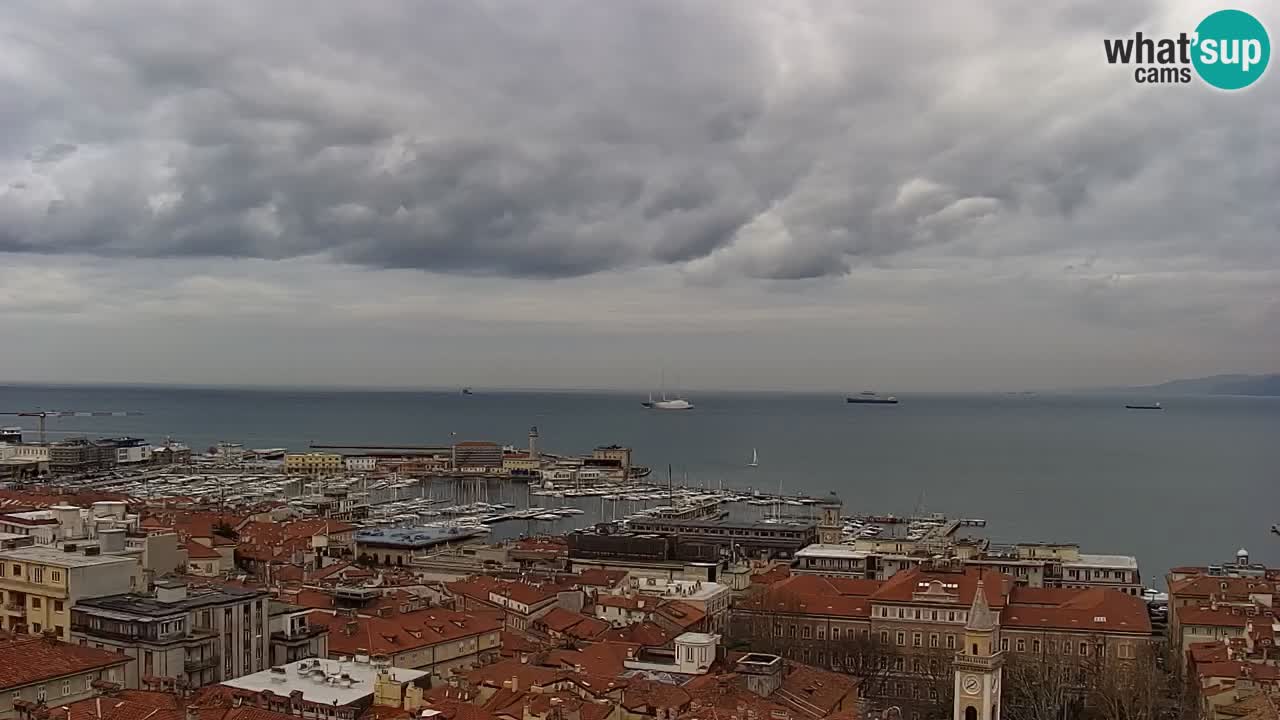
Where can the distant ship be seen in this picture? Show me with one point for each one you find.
(871, 398)
(678, 403)
(467, 391)
(665, 404)
(1150, 406)
(755, 459)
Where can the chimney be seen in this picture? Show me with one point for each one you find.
(171, 591)
(192, 712)
(515, 683)
(111, 540)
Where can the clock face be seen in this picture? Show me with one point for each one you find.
(971, 684)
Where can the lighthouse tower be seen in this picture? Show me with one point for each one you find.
(533, 442)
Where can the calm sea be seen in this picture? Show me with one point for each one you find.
(1190, 484)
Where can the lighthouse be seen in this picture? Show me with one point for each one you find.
(533, 442)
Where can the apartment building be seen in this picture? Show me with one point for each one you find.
(293, 637)
(200, 635)
(314, 464)
(477, 454)
(41, 584)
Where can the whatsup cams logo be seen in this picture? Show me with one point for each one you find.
(1229, 50)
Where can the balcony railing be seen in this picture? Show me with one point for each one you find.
(15, 608)
(977, 661)
(199, 664)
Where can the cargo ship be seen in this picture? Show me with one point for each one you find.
(871, 398)
(1144, 406)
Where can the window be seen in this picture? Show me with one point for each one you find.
(35, 628)
(901, 614)
(902, 638)
(37, 574)
(1004, 643)
(884, 636)
(66, 688)
(58, 629)
(1022, 645)
(933, 693)
(41, 694)
(1053, 646)
(1066, 647)
(933, 640)
(805, 632)
(777, 628)
(35, 602)
(57, 606)
(899, 690)
(951, 642)
(822, 633)
(899, 663)
(791, 630)
(1035, 646)
(57, 576)
(935, 615)
(917, 666)
(835, 633)
(951, 616)
(916, 640)
(17, 571)
(1084, 649)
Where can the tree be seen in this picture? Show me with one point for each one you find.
(1040, 687)
(1130, 689)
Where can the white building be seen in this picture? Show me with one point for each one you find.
(361, 463)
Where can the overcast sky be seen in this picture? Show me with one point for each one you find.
(576, 193)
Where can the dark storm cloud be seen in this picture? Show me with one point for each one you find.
(564, 138)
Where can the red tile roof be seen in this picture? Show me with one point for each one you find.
(645, 633)
(1092, 609)
(810, 594)
(1222, 588)
(196, 551)
(903, 586)
(406, 631)
(681, 614)
(1222, 616)
(567, 622)
(28, 660)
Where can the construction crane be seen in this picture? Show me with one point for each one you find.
(42, 414)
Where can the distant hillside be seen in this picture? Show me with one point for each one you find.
(1218, 385)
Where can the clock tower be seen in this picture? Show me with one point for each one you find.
(978, 664)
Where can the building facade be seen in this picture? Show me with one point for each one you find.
(477, 454)
(201, 636)
(314, 464)
(41, 584)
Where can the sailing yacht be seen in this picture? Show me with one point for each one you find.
(678, 403)
(755, 460)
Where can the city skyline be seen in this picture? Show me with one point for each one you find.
(566, 195)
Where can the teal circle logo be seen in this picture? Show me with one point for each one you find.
(1231, 49)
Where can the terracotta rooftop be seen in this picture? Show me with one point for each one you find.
(1093, 609)
(405, 631)
(28, 660)
(1221, 616)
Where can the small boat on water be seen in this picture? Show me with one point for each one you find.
(467, 391)
(755, 459)
(871, 398)
(1144, 406)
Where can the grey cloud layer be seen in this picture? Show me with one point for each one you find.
(563, 138)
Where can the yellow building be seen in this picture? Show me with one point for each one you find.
(314, 463)
(40, 584)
